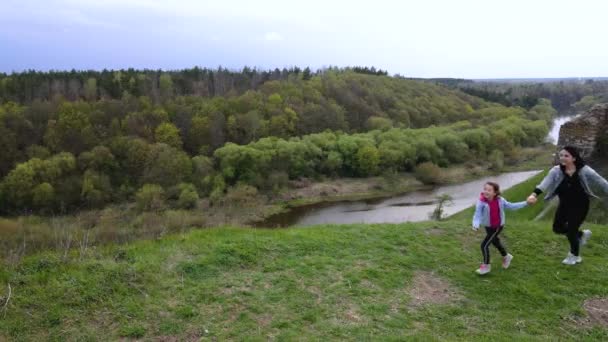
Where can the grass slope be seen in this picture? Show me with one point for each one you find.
(326, 282)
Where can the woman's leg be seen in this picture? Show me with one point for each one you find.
(560, 220)
(576, 217)
(573, 238)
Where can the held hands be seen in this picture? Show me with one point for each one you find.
(475, 228)
(531, 199)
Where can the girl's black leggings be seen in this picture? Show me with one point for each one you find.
(492, 238)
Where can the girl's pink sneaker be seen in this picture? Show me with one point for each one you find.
(506, 260)
(483, 269)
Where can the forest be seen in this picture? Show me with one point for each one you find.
(79, 140)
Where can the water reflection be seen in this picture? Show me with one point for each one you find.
(414, 206)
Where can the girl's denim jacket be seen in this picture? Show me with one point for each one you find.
(482, 211)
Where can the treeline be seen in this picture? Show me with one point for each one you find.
(62, 156)
(161, 86)
(565, 96)
(158, 85)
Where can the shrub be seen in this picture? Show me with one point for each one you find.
(497, 160)
(429, 173)
(150, 197)
(188, 197)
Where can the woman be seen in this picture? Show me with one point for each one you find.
(572, 182)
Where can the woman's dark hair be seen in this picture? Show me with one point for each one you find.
(495, 186)
(578, 160)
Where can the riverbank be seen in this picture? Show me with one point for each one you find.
(414, 206)
(123, 223)
(377, 188)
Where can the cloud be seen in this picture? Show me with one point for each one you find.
(273, 36)
(27, 14)
(79, 18)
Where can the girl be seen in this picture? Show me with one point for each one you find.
(489, 212)
(572, 182)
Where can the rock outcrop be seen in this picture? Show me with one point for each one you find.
(585, 131)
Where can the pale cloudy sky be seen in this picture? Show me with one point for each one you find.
(429, 38)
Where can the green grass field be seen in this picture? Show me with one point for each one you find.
(357, 282)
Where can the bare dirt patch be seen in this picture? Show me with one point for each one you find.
(428, 288)
(191, 337)
(434, 231)
(348, 313)
(597, 310)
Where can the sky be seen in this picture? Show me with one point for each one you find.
(430, 38)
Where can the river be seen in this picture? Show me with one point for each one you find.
(413, 206)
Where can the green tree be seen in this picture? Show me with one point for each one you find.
(73, 131)
(167, 133)
(43, 196)
(167, 166)
(8, 146)
(427, 150)
(90, 89)
(380, 123)
(202, 172)
(454, 148)
(535, 132)
(144, 123)
(198, 135)
(241, 163)
(165, 84)
(244, 128)
(477, 139)
(188, 197)
(543, 110)
(306, 74)
(585, 103)
(100, 158)
(36, 151)
(332, 164)
(132, 154)
(96, 188)
(368, 160)
(17, 186)
(23, 181)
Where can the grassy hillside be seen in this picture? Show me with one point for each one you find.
(326, 282)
